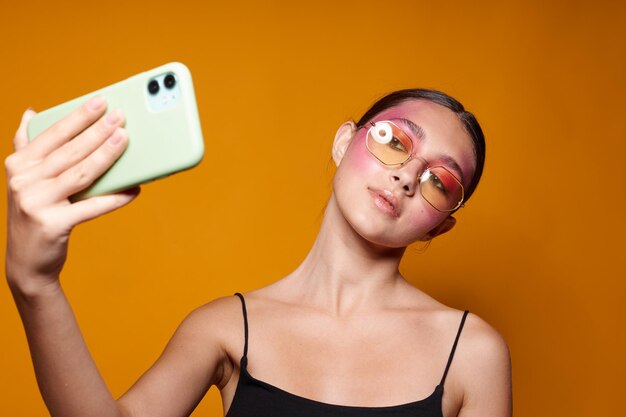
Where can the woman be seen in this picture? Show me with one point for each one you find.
(343, 335)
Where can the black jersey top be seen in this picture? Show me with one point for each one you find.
(255, 398)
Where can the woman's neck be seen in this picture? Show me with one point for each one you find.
(344, 273)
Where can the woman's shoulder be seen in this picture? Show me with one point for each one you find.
(476, 334)
(481, 334)
(219, 322)
(480, 370)
(478, 339)
(474, 326)
(482, 346)
(482, 365)
(220, 311)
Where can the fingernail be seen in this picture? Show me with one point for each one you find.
(96, 103)
(116, 137)
(113, 117)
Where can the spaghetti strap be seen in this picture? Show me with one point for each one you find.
(456, 340)
(245, 324)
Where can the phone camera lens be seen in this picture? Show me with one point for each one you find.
(169, 81)
(153, 87)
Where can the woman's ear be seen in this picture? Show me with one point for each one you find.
(443, 227)
(344, 135)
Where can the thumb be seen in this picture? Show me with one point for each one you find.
(20, 139)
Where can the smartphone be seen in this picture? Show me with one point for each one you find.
(162, 123)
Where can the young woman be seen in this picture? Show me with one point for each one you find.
(343, 335)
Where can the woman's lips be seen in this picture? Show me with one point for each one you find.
(386, 202)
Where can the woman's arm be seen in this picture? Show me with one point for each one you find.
(195, 359)
(484, 371)
(41, 175)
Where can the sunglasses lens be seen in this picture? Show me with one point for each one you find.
(388, 143)
(441, 189)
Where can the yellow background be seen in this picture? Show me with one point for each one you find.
(538, 252)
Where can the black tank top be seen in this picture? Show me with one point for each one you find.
(255, 398)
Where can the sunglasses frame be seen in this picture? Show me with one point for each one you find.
(410, 156)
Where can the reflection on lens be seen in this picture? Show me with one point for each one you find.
(391, 151)
(441, 189)
(382, 133)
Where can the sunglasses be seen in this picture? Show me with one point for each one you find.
(392, 146)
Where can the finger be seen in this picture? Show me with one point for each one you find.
(20, 139)
(67, 128)
(93, 207)
(81, 175)
(82, 146)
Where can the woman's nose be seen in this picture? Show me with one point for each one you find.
(407, 176)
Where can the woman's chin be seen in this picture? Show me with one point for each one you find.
(383, 239)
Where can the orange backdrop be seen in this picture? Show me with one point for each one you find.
(536, 252)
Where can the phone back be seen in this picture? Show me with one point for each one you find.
(163, 128)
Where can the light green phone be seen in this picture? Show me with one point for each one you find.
(162, 123)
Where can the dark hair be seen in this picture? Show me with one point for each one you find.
(469, 122)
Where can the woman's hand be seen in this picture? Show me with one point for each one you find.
(42, 174)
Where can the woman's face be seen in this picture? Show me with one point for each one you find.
(383, 203)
